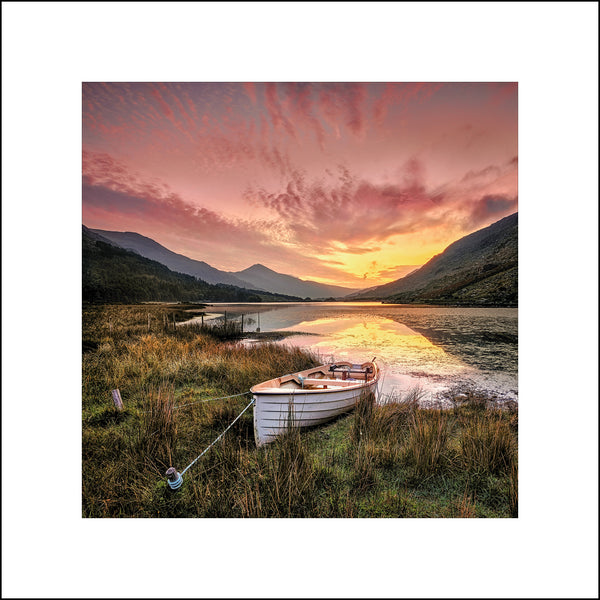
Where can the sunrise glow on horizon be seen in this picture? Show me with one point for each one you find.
(345, 183)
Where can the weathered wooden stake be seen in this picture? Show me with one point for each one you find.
(116, 395)
(202, 317)
(242, 323)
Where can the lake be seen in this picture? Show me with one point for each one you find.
(425, 347)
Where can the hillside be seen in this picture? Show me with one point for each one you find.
(479, 269)
(179, 263)
(113, 274)
(264, 278)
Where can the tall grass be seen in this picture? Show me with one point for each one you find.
(290, 475)
(158, 430)
(427, 440)
(391, 460)
(487, 443)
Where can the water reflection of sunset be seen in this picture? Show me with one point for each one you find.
(391, 342)
(430, 348)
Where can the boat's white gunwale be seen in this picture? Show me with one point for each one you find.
(305, 391)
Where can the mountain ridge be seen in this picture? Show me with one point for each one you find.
(111, 273)
(478, 269)
(151, 249)
(265, 278)
(257, 277)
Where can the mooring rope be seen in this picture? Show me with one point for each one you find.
(175, 407)
(210, 400)
(213, 443)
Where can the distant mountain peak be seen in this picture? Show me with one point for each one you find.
(258, 267)
(266, 279)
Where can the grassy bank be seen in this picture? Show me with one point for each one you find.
(380, 461)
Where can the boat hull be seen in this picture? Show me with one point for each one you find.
(278, 410)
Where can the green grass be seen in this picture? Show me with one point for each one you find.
(394, 460)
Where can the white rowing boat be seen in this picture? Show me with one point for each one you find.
(309, 397)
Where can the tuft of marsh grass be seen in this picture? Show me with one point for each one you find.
(427, 440)
(158, 431)
(464, 507)
(363, 418)
(290, 473)
(487, 443)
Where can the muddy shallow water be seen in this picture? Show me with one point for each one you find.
(430, 348)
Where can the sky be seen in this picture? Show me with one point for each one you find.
(353, 184)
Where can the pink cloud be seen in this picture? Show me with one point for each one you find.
(360, 214)
(342, 104)
(491, 208)
(276, 113)
(401, 95)
(352, 211)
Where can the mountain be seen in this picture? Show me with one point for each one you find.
(112, 274)
(264, 278)
(89, 234)
(479, 269)
(361, 293)
(148, 248)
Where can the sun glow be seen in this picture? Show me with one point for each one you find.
(384, 263)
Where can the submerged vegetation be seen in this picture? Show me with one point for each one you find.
(391, 460)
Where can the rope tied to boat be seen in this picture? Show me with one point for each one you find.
(175, 479)
(211, 400)
(204, 400)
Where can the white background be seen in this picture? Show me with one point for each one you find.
(48, 49)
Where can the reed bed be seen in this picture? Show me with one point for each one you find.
(382, 460)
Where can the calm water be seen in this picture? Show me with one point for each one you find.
(432, 348)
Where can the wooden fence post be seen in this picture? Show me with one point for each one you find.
(116, 396)
(242, 322)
